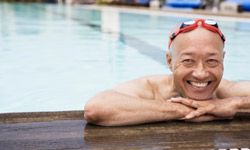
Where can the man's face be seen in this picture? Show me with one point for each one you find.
(196, 61)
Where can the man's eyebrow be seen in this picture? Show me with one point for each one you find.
(213, 54)
(187, 54)
(191, 54)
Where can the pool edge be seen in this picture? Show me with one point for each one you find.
(27, 117)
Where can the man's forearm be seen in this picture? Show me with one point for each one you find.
(127, 110)
(243, 104)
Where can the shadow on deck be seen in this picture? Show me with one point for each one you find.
(67, 130)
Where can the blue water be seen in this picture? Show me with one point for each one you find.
(54, 58)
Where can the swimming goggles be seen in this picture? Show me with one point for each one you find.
(193, 24)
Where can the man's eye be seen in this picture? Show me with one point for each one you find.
(212, 62)
(188, 61)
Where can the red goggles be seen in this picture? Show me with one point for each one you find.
(193, 24)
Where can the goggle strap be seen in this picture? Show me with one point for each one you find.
(185, 28)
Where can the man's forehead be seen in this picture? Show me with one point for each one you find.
(195, 52)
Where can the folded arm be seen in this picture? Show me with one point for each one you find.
(131, 103)
(234, 97)
(241, 90)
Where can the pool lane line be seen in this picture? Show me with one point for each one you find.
(143, 47)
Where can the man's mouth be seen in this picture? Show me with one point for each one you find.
(199, 84)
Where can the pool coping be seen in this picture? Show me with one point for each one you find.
(59, 130)
(27, 117)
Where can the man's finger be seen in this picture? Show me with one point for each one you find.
(185, 101)
(197, 113)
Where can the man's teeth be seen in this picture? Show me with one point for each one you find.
(199, 84)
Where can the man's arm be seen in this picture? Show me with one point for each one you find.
(238, 92)
(129, 104)
(228, 89)
(242, 90)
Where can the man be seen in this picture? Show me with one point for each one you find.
(195, 91)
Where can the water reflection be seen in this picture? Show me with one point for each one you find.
(96, 137)
(171, 135)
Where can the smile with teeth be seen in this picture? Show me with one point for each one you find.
(199, 84)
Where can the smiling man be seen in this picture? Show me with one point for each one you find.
(195, 91)
(196, 59)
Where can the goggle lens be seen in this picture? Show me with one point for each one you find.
(211, 22)
(187, 23)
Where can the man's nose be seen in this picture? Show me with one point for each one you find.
(200, 71)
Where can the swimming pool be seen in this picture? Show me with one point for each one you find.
(54, 58)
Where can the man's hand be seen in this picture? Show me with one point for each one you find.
(212, 109)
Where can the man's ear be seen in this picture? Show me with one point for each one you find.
(169, 60)
(223, 56)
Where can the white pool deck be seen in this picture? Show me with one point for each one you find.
(208, 14)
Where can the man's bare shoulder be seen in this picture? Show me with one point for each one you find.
(225, 89)
(233, 89)
(143, 86)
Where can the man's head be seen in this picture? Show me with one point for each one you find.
(195, 57)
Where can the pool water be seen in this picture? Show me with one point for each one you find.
(55, 58)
